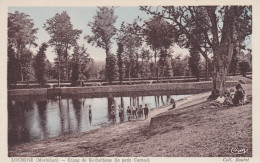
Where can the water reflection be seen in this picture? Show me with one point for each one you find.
(37, 119)
(42, 105)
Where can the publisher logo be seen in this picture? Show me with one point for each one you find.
(238, 151)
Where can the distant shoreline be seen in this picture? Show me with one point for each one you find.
(179, 88)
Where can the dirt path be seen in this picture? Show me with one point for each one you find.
(189, 130)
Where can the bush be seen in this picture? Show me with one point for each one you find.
(244, 67)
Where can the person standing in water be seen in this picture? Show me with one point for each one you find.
(128, 111)
(113, 113)
(141, 111)
(146, 111)
(134, 111)
(120, 112)
(90, 113)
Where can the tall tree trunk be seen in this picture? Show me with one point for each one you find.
(22, 78)
(164, 58)
(207, 69)
(223, 55)
(129, 72)
(107, 53)
(142, 68)
(59, 54)
(67, 65)
(155, 65)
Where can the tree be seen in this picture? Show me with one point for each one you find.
(233, 63)
(194, 64)
(159, 34)
(26, 65)
(219, 28)
(40, 65)
(120, 61)
(63, 36)
(103, 30)
(180, 66)
(131, 43)
(145, 56)
(168, 69)
(111, 69)
(12, 70)
(21, 32)
(244, 67)
(80, 60)
(164, 56)
(75, 74)
(51, 70)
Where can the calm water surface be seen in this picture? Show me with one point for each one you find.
(36, 119)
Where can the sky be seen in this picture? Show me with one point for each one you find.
(80, 17)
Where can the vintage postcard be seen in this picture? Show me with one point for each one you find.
(129, 81)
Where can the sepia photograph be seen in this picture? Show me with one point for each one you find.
(136, 82)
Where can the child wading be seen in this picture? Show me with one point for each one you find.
(134, 111)
(128, 113)
(141, 111)
(146, 111)
(120, 112)
(113, 113)
(90, 114)
(89, 111)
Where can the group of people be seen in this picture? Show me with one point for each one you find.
(232, 97)
(133, 112)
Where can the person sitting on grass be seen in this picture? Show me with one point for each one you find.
(173, 104)
(239, 97)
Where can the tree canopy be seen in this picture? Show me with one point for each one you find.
(21, 31)
(62, 36)
(219, 28)
(103, 28)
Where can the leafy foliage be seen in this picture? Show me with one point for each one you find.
(111, 68)
(234, 62)
(209, 28)
(20, 31)
(244, 67)
(131, 43)
(103, 28)
(26, 65)
(75, 74)
(40, 65)
(194, 63)
(62, 36)
(80, 64)
(13, 69)
(159, 34)
(120, 61)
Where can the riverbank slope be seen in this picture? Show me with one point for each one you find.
(193, 129)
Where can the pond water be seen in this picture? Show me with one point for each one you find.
(31, 119)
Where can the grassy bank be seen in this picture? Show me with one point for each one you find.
(192, 129)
